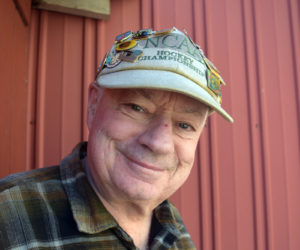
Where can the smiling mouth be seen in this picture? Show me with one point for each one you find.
(144, 165)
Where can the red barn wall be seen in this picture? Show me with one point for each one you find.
(14, 37)
(243, 192)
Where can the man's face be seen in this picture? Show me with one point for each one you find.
(142, 142)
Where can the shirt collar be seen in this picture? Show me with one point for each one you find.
(88, 211)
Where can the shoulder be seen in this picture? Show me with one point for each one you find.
(30, 203)
(31, 186)
(168, 215)
(178, 219)
(185, 241)
(28, 178)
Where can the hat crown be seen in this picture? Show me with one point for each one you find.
(169, 50)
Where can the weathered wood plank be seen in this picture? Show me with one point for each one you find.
(98, 9)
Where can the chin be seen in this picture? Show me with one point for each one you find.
(140, 191)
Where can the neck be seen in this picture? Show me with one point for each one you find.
(133, 217)
(134, 220)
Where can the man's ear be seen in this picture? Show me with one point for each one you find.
(95, 93)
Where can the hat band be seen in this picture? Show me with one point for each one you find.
(208, 90)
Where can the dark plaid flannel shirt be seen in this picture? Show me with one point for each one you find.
(56, 208)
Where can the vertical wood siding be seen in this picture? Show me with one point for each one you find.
(243, 192)
(13, 85)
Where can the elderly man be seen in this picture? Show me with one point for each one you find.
(147, 108)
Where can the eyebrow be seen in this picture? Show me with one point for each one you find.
(192, 111)
(149, 96)
(144, 93)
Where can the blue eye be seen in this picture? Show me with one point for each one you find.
(136, 108)
(185, 126)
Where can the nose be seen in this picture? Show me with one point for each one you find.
(158, 137)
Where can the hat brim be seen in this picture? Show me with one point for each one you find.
(164, 80)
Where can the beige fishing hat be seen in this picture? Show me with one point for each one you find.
(166, 60)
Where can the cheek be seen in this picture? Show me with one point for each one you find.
(186, 152)
(119, 128)
(177, 179)
(107, 129)
(99, 148)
